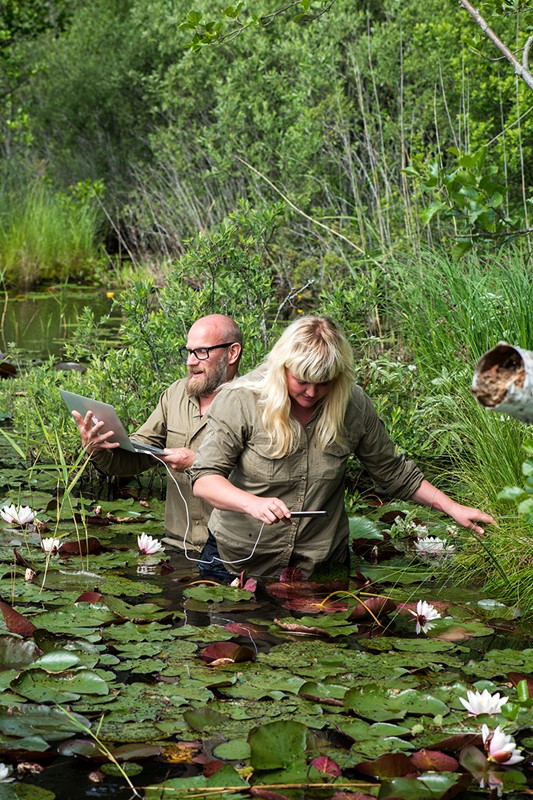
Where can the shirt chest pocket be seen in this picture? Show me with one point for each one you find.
(176, 438)
(259, 466)
(329, 464)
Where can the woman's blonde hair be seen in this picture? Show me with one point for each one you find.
(314, 350)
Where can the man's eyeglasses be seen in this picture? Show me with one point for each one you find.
(201, 353)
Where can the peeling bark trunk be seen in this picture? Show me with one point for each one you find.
(503, 381)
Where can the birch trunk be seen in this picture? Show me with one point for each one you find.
(503, 381)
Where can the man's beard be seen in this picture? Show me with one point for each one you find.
(206, 383)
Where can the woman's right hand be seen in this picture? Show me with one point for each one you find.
(91, 437)
(268, 509)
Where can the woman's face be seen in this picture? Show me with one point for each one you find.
(305, 395)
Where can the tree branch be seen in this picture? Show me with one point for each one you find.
(299, 210)
(521, 70)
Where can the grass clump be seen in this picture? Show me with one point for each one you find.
(47, 235)
(447, 316)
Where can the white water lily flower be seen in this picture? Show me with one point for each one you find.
(51, 545)
(500, 747)
(17, 515)
(5, 774)
(483, 703)
(424, 613)
(148, 545)
(433, 546)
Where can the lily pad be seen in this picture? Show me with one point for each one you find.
(277, 745)
(52, 724)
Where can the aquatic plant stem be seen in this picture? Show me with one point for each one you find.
(354, 596)
(103, 749)
(209, 791)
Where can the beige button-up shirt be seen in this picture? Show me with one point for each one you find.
(236, 446)
(175, 422)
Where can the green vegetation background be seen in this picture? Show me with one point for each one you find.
(341, 164)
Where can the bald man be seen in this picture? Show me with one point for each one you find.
(177, 425)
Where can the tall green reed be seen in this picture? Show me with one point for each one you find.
(447, 315)
(45, 235)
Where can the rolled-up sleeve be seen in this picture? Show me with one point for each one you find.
(393, 474)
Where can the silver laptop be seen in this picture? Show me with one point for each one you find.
(105, 413)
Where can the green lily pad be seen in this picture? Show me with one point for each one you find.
(217, 594)
(234, 750)
(56, 661)
(226, 777)
(52, 724)
(277, 745)
(16, 653)
(39, 685)
(429, 786)
(142, 612)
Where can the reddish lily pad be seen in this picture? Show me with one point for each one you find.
(266, 794)
(90, 545)
(295, 627)
(315, 605)
(15, 622)
(326, 766)
(390, 766)
(289, 590)
(90, 597)
(372, 605)
(226, 652)
(434, 761)
(352, 796)
(516, 677)
(247, 629)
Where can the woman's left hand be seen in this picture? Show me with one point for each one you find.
(467, 517)
(429, 495)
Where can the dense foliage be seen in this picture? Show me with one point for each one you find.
(349, 116)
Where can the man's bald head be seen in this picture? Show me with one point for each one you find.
(206, 375)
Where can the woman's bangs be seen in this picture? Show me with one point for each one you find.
(313, 368)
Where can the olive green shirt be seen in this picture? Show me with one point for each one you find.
(236, 446)
(175, 422)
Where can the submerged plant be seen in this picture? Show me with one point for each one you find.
(483, 703)
(424, 613)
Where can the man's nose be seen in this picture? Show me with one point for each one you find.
(192, 359)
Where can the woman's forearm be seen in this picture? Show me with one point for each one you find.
(429, 495)
(220, 493)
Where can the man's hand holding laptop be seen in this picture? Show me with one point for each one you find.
(93, 439)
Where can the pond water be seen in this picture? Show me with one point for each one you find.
(39, 323)
(288, 689)
(122, 675)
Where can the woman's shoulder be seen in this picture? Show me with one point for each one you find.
(359, 402)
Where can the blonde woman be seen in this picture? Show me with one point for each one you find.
(278, 441)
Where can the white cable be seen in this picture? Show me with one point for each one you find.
(187, 556)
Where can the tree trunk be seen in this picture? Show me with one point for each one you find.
(503, 381)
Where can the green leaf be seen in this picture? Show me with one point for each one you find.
(194, 17)
(277, 745)
(510, 493)
(56, 661)
(435, 208)
(50, 723)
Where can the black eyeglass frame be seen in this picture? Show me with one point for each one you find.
(185, 352)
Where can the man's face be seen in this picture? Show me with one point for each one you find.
(205, 376)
